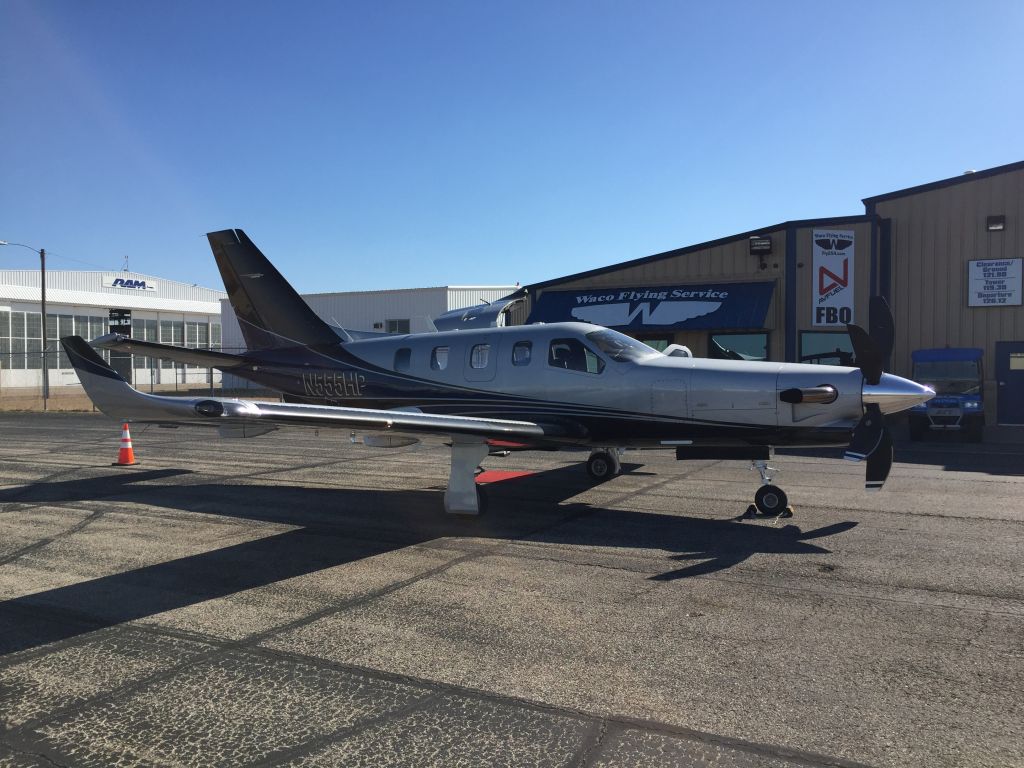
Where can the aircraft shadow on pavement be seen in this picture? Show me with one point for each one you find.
(339, 526)
(945, 450)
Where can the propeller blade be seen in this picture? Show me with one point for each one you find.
(879, 463)
(867, 435)
(881, 326)
(869, 359)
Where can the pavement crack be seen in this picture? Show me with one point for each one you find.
(592, 745)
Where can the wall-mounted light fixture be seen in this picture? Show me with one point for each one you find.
(995, 223)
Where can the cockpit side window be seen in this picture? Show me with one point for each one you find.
(574, 355)
(439, 358)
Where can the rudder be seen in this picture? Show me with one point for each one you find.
(271, 314)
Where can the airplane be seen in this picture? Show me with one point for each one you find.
(487, 390)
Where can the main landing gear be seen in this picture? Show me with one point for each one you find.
(604, 464)
(770, 500)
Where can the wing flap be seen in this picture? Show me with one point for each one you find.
(115, 397)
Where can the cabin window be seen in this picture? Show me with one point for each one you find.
(439, 358)
(573, 355)
(521, 353)
(403, 358)
(479, 356)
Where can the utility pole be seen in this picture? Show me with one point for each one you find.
(42, 295)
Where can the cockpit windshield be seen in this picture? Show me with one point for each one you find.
(619, 346)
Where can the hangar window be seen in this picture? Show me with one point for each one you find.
(826, 348)
(521, 353)
(573, 355)
(439, 358)
(738, 346)
(403, 358)
(479, 356)
(172, 332)
(397, 326)
(143, 330)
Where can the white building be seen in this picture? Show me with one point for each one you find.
(90, 304)
(404, 310)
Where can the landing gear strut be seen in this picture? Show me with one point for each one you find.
(770, 500)
(463, 496)
(604, 464)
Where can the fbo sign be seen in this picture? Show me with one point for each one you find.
(833, 277)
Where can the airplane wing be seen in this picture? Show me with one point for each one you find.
(202, 357)
(115, 397)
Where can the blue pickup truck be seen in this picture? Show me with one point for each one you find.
(956, 375)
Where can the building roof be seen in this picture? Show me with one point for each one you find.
(698, 247)
(963, 178)
(96, 289)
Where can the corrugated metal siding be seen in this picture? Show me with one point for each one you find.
(934, 235)
(359, 310)
(92, 282)
(462, 296)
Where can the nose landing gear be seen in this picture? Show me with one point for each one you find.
(770, 500)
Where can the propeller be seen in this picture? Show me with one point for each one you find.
(871, 439)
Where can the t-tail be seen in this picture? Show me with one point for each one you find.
(271, 314)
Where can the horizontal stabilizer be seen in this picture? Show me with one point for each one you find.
(201, 357)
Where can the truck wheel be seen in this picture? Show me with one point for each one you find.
(975, 432)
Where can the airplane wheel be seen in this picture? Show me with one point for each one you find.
(599, 466)
(770, 500)
(481, 500)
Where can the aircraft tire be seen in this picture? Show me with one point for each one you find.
(481, 500)
(770, 500)
(599, 466)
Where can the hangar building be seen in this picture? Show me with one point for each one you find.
(90, 304)
(946, 255)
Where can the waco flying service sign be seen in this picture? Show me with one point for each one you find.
(833, 277)
(681, 307)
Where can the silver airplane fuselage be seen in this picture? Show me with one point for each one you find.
(599, 386)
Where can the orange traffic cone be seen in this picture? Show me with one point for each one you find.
(126, 456)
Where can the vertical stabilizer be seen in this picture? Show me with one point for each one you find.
(270, 312)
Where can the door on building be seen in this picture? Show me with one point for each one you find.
(1010, 382)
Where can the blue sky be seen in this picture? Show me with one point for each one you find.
(402, 144)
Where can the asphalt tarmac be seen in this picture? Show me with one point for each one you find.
(293, 599)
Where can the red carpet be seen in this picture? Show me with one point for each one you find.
(497, 475)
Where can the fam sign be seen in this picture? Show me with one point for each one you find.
(833, 277)
(676, 307)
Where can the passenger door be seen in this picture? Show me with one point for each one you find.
(1010, 382)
